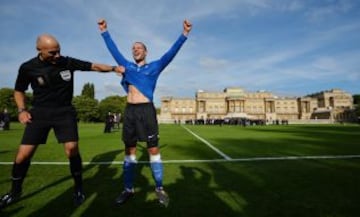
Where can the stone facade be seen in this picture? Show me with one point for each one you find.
(333, 105)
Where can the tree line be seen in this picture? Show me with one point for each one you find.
(88, 108)
(356, 98)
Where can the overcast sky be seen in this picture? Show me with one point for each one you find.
(288, 47)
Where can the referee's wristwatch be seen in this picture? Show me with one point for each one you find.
(20, 110)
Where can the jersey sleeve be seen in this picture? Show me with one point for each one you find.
(110, 44)
(22, 81)
(76, 64)
(170, 54)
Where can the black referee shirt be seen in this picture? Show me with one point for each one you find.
(52, 84)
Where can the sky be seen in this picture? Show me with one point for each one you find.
(287, 47)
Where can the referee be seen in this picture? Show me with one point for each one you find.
(51, 77)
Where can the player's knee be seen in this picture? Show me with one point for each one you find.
(71, 149)
(130, 144)
(152, 142)
(71, 152)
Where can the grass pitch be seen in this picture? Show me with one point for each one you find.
(293, 170)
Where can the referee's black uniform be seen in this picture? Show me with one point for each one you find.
(52, 86)
(51, 77)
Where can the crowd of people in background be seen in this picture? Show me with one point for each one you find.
(233, 121)
(112, 121)
(4, 120)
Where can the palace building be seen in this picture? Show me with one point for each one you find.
(331, 105)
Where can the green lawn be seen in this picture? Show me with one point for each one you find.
(198, 179)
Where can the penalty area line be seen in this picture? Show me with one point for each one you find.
(207, 143)
(249, 159)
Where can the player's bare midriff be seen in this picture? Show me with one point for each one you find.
(135, 96)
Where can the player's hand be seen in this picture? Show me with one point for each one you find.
(119, 70)
(187, 27)
(24, 117)
(102, 25)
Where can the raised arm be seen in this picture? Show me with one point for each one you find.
(110, 44)
(170, 54)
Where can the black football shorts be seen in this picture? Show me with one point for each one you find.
(62, 120)
(140, 124)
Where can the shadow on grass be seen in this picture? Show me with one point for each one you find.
(99, 185)
(261, 141)
(191, 193)
(5, 152)
(311, 188)
(298, 188)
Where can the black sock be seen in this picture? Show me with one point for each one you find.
(76, 171)
(19, 172)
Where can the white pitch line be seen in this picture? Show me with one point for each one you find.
(207, 143)
(249, 159)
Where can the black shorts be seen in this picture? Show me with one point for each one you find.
(140, 124)
(62, 120)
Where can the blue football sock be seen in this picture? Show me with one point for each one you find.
(157, 172)
(129, 168)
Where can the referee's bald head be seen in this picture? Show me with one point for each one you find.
(46, 41)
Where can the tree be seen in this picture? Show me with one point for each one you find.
(7, 98)
(87, 108)
(357, 111)
(88, 91)
(7, 101)
(113, 104)
(158, 111)
(356, 98)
